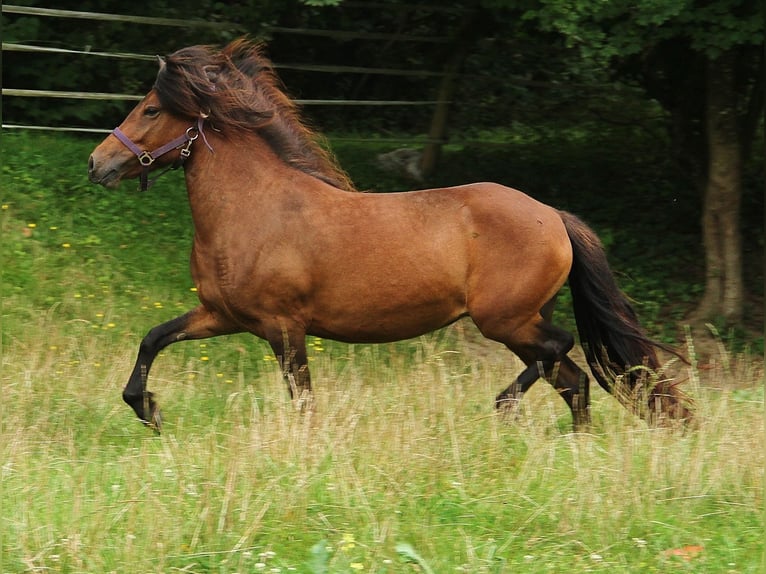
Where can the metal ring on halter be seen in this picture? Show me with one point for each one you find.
(192, 130)
(145, 159)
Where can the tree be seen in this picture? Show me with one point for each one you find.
(703, 61)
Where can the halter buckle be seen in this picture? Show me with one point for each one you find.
(192, 133)
(145, 159)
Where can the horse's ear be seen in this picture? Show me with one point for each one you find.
(161, 62)
(211, 73)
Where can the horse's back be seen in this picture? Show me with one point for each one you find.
(500, 224)
(400, 264)
(515, 239)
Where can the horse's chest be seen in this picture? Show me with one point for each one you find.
(248, 283)
(213, 274)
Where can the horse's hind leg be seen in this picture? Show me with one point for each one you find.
(570, 381)
(522, 386)
(196, 324)
(573, 386)
(513, 394)
(545, 354)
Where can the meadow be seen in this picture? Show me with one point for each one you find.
(403, 467)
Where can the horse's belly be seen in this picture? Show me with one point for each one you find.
(369, 319)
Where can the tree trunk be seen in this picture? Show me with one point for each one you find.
(724, 290)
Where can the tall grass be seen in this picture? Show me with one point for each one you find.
(403, 451)
(404, 466)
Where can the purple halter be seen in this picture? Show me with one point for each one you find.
(147, 158)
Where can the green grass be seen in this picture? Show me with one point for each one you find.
(404, 466)
(398, 452)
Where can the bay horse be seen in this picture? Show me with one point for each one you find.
(285, 247)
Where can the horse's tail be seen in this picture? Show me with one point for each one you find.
(617, 349)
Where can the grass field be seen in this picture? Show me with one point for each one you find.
(404, 466)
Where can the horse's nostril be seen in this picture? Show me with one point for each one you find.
(91, 164)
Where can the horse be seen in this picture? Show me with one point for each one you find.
(285, 246)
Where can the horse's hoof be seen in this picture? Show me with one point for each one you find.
(155, 423)
(509, 408)
(304, 404)
(507, 402)
(581, 427)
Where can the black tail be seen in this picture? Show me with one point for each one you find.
(610, 333)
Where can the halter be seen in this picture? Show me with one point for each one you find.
(147, 158)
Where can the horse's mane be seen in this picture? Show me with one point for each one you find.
(239, 90)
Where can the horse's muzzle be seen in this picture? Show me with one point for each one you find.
(101, 174)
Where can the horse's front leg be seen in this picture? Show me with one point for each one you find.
(200, 323)
(289, 346)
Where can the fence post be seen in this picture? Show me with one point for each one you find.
(437, 134)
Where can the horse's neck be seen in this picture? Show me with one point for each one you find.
(236, 178)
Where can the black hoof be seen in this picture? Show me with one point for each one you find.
(146, 410)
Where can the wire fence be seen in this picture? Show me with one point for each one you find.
(155, 21)
(149, 20)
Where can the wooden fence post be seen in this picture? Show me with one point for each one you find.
(437, 134)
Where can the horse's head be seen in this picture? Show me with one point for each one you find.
(234, 91)
(148, 138)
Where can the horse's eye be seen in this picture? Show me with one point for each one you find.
(151, 112)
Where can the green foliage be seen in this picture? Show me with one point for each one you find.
(409, 553)
(320, 556)
(606, 30)
(540, 74)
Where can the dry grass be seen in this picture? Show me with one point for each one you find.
(404, 447)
